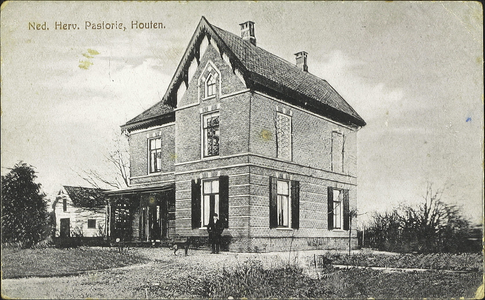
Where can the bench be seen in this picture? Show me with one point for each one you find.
(180, 242)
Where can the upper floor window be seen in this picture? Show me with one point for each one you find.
(210, 86)
(283, 136)
(210, 139)
(337, 152)
(64, 205)
(155, 149)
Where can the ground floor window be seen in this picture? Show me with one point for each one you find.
(210, 200)
(338, 208)
(210, 196)
(284, 203)
(91, 223)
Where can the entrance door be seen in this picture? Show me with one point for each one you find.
(65, 230)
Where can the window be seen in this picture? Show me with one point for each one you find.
(210, 196)
(337, 152)
(210, 200)
(210, 134)
(91, 223)
(338, 209)
(210, 86)
(155, 148)
(64, 205)
(284, 203)
(283, 136)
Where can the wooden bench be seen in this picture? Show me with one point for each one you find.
(180, 242)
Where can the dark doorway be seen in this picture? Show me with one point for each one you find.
(65, 230)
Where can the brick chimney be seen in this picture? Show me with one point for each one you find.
(301, 60)
(247, 32)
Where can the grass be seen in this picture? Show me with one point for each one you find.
(434, 261)
(250, 280)
(47, 262)
(211, 276)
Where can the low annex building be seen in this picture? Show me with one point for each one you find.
(80, 212)
(241, 132)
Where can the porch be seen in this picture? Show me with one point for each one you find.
(141, 215)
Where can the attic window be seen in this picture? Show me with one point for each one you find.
(210, 86)
(64, 205)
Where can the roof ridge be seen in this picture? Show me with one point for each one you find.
(290, 64)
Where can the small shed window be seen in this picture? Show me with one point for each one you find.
(91, 223)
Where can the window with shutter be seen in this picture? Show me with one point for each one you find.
(338, 209)
(209, 197)
(284, 203)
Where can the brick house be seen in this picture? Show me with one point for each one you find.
(241, 132)
(79, 212)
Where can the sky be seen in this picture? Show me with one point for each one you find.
(412, 70)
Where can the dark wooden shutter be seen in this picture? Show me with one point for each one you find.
(273, 218)
(196, 204)
(224, 200)
(295, 204)
(346, 210)
(330, 208)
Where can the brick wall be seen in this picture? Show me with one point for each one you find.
(311, 135)
(139, 150)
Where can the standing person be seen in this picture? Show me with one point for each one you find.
(215, 229)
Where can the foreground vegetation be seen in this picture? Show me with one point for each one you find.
(251, 280)
(433, 261)
(201, 275)
(17, 263)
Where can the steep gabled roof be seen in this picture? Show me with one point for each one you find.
(261, 71)
(86, 197)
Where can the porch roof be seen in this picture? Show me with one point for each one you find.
(140, 189)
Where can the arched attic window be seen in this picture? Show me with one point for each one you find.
(210, 86)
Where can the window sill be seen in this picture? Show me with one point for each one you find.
(338, 230)
(209, 98)
(210, 157)
(284, 228)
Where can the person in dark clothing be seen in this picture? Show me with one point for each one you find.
(215, 229)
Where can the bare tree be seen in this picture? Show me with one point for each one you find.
(116, 174)
(431, 226)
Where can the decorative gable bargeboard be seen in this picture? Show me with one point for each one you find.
(240, 132)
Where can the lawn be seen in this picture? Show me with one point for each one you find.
(18, 263)
(202, 275)
(251, 280)
(432, 261)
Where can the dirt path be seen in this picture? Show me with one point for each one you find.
(130, 282)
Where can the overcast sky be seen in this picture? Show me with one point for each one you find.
(412, 70)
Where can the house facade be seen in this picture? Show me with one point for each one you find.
(80, 212)
(242, 133)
